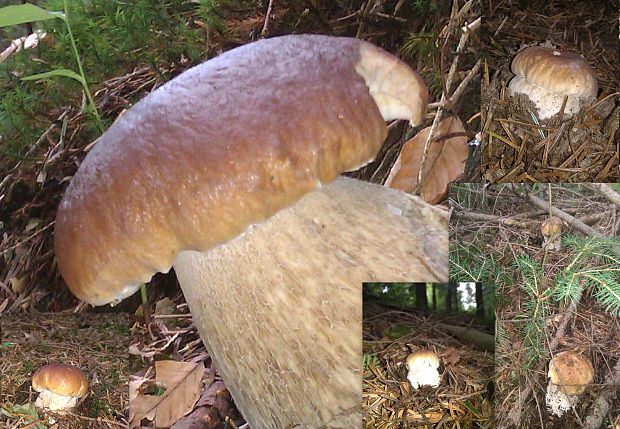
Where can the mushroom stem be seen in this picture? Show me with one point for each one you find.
(280, 307)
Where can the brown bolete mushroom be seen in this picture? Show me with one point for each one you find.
(214, 173)
(551, 230)
(569, 374)
(548, 76)
(59, 387)
(423, 369)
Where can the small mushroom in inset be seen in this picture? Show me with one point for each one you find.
(60, 387)
(551, 230)
(546, 76)
(423, 366)
(569, 374)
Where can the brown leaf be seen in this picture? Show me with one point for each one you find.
(451, 356)
(182, 381)
(445, 161)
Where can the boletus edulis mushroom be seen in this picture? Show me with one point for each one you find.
(59, 386)
(423, 369)
(569, 375)
(549, 76)
(224, 174)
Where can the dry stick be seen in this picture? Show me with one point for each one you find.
(36, 144)
(466, 31)
(266, 24)
(365, 12)
(577, 224)
(606, 191)
(601, 405)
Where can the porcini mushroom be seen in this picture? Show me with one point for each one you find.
(199, 175)
(551, 230)
(548, 76)
(569, 374)
(60, 387)
(423, 368)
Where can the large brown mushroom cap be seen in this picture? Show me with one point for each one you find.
(65, 380)
(571, 371)
(555, 71)
(223, 146)
(548, 77)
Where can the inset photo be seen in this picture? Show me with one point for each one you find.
(553, 253)
(428, 355)
(550, 91)
(64, 370)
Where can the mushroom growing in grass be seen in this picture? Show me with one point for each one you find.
(60, 387)
(569, 374)
(214, 173)
(423, 368)
(548, 76)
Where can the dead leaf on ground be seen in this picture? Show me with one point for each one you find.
(182, 381)
(451, 356)
(445, 161)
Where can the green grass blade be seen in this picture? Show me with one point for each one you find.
(57, 72)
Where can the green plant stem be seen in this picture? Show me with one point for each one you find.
(81, 70)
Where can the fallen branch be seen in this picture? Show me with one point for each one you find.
(601, 406)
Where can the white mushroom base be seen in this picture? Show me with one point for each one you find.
(280, 307)
(48, 400)
(559, 402)
(423, 375)
(547, 103)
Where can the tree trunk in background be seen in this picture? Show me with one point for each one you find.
(434, 297)
(421, 301)
(449, 298)
(479, 301)
(455, 297)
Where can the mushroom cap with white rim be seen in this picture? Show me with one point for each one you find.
(223, 146)
(569, 374)
(214, 172)
(60, 386)
(548, 75)
(423, 365)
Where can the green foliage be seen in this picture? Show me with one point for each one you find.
(369, 360)
(420, 46)
(113, 38)
(19, 14)
(27, 414)
(594, 267)
(471, 263)
(536, 309)
(398, 331)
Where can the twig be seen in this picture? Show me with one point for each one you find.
(601, 405)
(577, 224)
(459, 49)
(266, 24)
(606, 191)
(365, 12)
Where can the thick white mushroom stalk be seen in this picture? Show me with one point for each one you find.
(280, 307)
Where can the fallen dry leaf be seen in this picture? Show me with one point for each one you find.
(451, 356)
(182, 381)
(445, 162)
